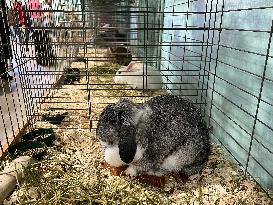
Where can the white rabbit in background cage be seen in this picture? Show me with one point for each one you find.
(138, 76)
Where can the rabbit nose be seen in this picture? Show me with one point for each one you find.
(106, 144)
(103, 144)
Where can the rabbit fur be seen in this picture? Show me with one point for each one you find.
(136, 76)
(163, 135)
(120, 55)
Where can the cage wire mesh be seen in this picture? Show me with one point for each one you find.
(216, 53)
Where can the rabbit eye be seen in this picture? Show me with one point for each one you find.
(119, 72)
(111, 116)
(113, 120)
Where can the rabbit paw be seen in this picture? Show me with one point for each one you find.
(131, 171)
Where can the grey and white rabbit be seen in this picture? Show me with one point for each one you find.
(136, 75)
(163, 135)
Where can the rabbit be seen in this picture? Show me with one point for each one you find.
(120, 55)
(164, 135)
(137, 76)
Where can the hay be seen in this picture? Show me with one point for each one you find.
(71, 171)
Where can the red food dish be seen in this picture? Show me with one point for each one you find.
(155, 181)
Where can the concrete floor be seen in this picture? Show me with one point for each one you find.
(19, 97)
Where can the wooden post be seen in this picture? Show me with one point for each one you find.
(11, 175)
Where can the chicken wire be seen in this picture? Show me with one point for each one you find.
(216, 53)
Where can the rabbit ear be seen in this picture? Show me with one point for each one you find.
(126, 129)
(130, 66)
(127, 142)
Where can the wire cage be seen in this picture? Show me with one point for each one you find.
(216, 53)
